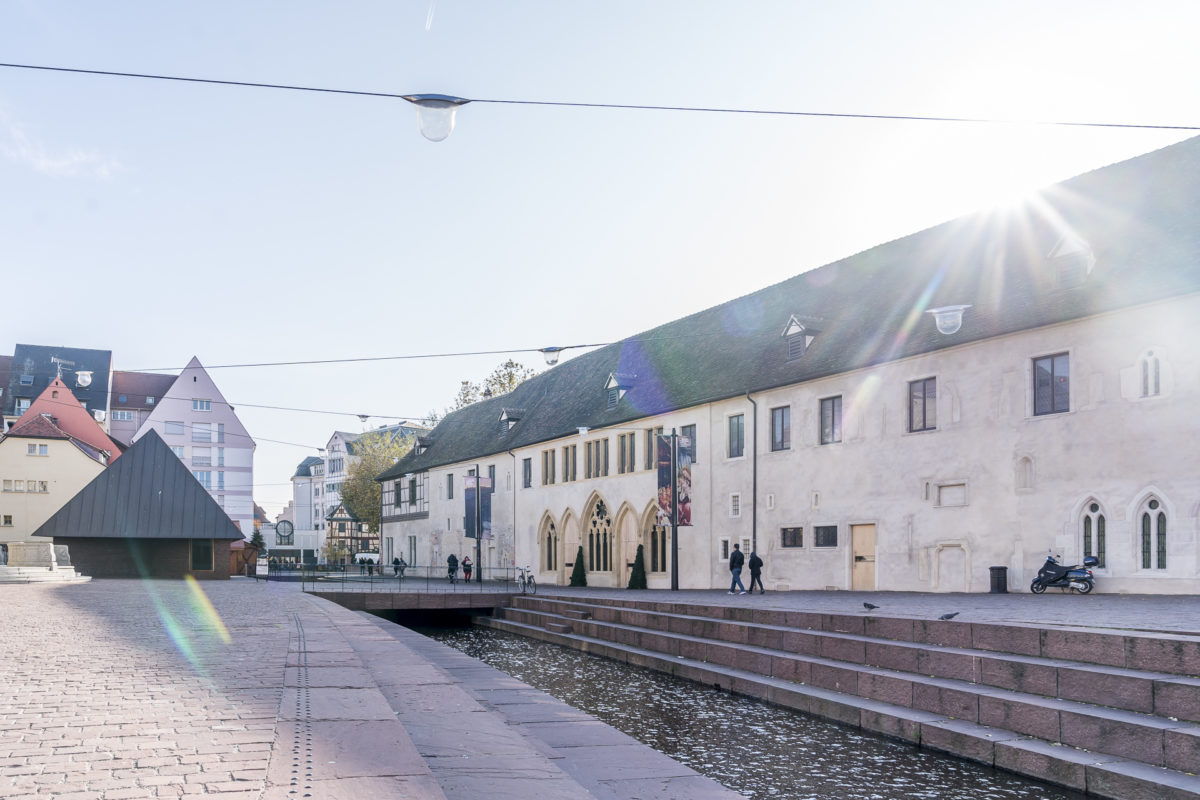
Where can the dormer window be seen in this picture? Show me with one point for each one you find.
(797, 337)
(1072, 260)
(509, 417)
(615, 388)
(27, 380)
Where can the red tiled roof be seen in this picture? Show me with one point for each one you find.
(60, 404)
(37, 427)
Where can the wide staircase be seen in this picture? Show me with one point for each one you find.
(60, 574)
(1111, 713)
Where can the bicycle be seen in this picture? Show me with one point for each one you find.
(525, 580)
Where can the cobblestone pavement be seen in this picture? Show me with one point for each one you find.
(112, 690)
(125, 689)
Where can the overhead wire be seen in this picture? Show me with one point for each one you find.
(632, 106)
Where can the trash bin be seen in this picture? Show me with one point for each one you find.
(999, 580)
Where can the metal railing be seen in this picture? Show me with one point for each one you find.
(413, 578)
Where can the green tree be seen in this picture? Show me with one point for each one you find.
(256, 541)
(579, 573)
(373, 453)
(504, 379)
(637, 578)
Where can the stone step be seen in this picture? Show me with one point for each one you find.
(1177, 654)
(558, 627)
(1103, 775)
(1144, 737)
(1160, 693)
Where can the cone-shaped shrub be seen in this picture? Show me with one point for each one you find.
(637, 578)
(579, 573)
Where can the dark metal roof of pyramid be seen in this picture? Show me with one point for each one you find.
(147, 493)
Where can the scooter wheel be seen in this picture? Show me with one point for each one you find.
(1087, 587)
(1037, 588)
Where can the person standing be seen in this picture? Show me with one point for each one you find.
(756, 564)
(452, 566)
(466, 565)
(736, 560)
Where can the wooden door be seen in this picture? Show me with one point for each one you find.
(862, 546)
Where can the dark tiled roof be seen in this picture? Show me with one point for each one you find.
(135, 387)
(304, 470)
(5, 368)
(34, 360)
(146, 494)
(1138, 217)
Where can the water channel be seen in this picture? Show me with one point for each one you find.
(753, 747)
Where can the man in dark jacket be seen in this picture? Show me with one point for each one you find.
(756, 564)
(452, 566)
(736, 560)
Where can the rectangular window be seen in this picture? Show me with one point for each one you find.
(201, 456)
(220, 456)
(27, 380)
(202, 555)
(688, 432)
(220, 481)
(825, 536)
(171, 428)
(31, 449)
(526, 473)
(201, 405)
(569, 459)
(450, 486)
(547, 467)
(7, 521)
(922, 405)
(604, 461)
(122, 416)
(201, 431)
(781, 428)
(791, 537)
(1052, 384)
(204, 476)
(43, 487)
(492, 477)
(737, 435)
(8, 485)
(626, 453)
(178, 451)
(831, 420)
(220, 431)
(735, 505)
(149, 400)
(723, 546)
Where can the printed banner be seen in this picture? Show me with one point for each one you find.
(485, 508)
(681, 488)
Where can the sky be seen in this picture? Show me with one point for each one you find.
(162, 220)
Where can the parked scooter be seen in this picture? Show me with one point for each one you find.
(1053, 574)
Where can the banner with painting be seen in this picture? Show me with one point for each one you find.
(678, 491)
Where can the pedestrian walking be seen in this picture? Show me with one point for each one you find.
(452, 567)
(756, 564)
(396, 566)
(466, 565)
(736, 560)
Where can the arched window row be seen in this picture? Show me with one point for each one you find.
(1150, 530)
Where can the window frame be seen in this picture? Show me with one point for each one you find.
(735, 441)
(825, 530)
(928, 404)
(781, 428)
(798, 537)
(1037, 407)
(833, 433)
(212, 556)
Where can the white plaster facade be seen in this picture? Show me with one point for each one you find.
(992, 484)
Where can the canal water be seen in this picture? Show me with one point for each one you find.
(758, 749)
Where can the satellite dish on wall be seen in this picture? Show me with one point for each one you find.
(98, 414)
(83, 378)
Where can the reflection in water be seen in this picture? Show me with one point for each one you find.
(761, 750)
